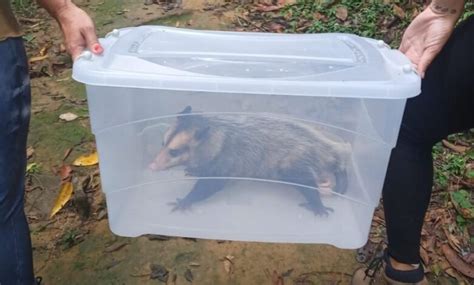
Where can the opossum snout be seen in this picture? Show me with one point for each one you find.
(167, 159)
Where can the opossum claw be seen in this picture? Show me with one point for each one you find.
(180, 205)
(318, 211)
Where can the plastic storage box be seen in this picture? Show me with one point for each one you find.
(244, 136)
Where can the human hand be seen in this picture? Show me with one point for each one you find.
(425, 37)
(78, 30)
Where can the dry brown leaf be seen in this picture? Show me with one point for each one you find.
(38, 58)
(452, 240)
(116, 246)
(62, 48)
(67, 153)
(429, 244)
(398, 11)
(268, 8)
(424, 256)
(456, 262)
(453, 147)
(277, 28)
(469, 258)
(29, 152)
(44, 50)
(342, 13)
(65, 173)
(277, 279)
(318, 16)
(228, 266)
(451, 272)
(172, 280)
(65, 194)
(87, 160)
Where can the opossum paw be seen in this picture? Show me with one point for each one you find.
(317, 210)
(180, 205)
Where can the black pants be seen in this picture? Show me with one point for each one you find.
(445, 106)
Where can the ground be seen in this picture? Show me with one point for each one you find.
(76, 246)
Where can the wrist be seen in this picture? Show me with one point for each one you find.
(447, 7)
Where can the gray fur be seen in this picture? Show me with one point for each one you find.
(260, 146)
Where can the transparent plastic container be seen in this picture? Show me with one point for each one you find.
(244, 136)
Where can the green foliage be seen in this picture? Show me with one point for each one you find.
(449, 165)
(26, 8)
(365, 18)
(33, 168)
(69, 238)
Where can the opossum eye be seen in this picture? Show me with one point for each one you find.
(177, 152)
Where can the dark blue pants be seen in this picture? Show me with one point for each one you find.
(16, 265)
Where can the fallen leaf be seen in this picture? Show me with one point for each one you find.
(68, 117)
(87, 160)
(29, 152)
(457, 262)
(342, 13)
(65, 194)
(398, 11)
(101, 214)
(189, 275)
(320, 17)
(277, 28)
(38, 58)
(453, 273)
(452, 240)
(65, 173)
(44, 50)
(228, 266)
(267, 8)
(116, 246)
(31, 166)
(424, 256)
(277, 279)
(469, 258)
(159, 272)
(62, 48)
(172, 280)
(67, 153)
(453, 147)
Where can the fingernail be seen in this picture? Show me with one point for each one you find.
(97, 48)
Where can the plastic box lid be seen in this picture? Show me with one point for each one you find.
(339, 65)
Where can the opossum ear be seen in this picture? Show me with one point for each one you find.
(186, 110)
(202, 133)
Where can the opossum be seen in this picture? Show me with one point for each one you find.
(252, 146)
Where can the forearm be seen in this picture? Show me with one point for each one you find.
(55, 7)
(446, 7)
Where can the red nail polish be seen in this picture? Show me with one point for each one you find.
(96, 48)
